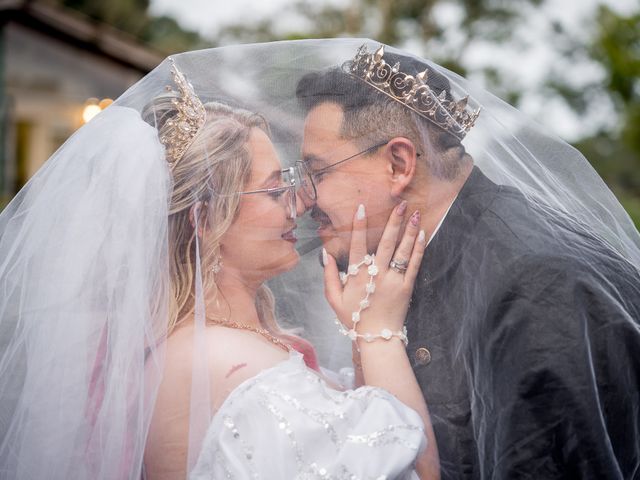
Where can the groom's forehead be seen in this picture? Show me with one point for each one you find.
(323, 122)
(322, 129)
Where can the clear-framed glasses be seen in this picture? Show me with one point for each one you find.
(308, 178)
(286, 193)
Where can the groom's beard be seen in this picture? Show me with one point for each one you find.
(321, 218)
(342, 261)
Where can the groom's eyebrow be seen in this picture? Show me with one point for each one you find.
(313, 161)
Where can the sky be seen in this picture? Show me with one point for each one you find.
(207, 16)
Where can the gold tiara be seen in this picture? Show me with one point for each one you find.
(185, 124)
(412, 92)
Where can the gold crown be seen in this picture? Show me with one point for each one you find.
(412, 92)
(185, 124)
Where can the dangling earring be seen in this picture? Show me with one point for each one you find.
(217, 265)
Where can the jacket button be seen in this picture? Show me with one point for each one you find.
(422, 356)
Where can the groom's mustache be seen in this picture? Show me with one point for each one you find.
(322, 219)
(318, 216)
(312, 243)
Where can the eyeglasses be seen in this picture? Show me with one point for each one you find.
(308, 178)
(286, 192)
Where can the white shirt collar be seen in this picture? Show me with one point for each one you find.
(441, 220)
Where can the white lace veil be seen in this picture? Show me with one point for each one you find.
(84, 256)
(83, 276)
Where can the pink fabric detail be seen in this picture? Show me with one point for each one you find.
(307, 350)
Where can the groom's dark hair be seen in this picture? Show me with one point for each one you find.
(370, 115)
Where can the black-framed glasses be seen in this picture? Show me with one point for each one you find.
(307, 178)
(286, 192)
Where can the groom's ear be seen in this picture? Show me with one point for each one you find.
(401, 157)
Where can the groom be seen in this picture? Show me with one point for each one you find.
(523, 329)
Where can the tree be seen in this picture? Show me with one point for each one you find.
(127, 15)
(446, 28)
(131, 16)
(613, 150)
(393, 22)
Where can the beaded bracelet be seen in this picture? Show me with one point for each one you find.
(385, 334)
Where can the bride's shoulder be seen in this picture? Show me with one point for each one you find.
(231, 355)
(239, 353)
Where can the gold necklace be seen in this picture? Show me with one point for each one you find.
(241, 326)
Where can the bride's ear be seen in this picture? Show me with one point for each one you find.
(402, 157)
(198, 216)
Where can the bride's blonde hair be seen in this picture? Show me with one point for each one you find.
(215, 166)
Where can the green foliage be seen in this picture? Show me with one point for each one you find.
(126, 15)
(392, 22)
(613, 44)
(4, 201)
(165, 34)
(132, 17)
(616, 47)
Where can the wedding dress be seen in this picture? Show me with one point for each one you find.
(288, 423)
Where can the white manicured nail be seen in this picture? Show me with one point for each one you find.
(325, 257)
(360, 212)
(421, 236)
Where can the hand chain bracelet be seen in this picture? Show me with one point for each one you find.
(385, 334)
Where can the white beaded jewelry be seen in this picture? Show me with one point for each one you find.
(385, 334)
(353, 269)
(372, 270)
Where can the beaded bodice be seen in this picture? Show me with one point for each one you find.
(286, 422)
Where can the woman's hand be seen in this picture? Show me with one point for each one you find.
(384, 364)
(375, 298)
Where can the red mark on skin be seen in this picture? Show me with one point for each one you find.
(234, 369)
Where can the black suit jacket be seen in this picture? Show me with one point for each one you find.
(532, 326)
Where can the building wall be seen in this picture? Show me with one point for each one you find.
(47, 83)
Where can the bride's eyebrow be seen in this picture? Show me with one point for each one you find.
(275, 175)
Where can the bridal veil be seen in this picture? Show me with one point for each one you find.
(85, 263)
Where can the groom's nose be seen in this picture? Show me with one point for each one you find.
(303, 202)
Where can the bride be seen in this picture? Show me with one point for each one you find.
(140, 339)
